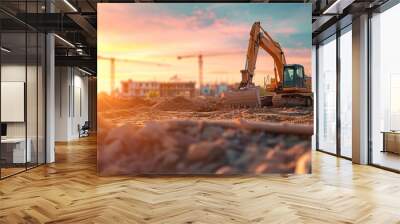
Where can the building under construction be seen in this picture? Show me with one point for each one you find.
(132, 88)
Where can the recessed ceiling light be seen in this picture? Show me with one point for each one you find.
(70, 5)
(5, 50)
(337, 7)
(64, 40)
(84, 71)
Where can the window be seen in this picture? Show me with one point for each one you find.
(385, 89)
(314, 87)
(22, 76)
(327, 95)
(289, 76)
(346, 92)
(300, 73)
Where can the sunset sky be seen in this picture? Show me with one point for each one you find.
(158, 33)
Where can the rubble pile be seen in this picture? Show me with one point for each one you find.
(197, 147)
(139, 116)
(181, 103)
(108, 103)
(137, 111)
(178, 103)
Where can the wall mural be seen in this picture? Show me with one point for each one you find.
(196, 88)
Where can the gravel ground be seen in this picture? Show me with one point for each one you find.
(141, 137)
(196, 147)
(138, 116)
(138, 111)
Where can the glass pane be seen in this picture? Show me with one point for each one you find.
(300, 73)
(346, 93)
(327, 96)
(31, 88)
(385, 84)
(31, 97)
(299, 77)
(13, 87)
(41, 98)
(313, 79)
(289, 75)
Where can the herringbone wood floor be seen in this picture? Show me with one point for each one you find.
(69, 191)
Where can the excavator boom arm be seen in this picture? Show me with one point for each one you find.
(287, 89)
(260, 38)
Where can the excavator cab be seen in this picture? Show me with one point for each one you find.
(293, 76)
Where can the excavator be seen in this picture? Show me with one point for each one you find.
(289, 87)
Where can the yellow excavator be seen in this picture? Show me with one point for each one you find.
(289, 87)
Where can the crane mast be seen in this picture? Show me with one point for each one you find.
(113, 67)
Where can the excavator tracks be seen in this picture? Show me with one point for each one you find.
(292, 100)
(251, 98)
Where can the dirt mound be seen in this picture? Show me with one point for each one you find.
(181, 103)
(178, 103)
(108, 103)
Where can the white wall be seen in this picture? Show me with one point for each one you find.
(71, 94)
(16, 73)
(62, 82)
(33, 127)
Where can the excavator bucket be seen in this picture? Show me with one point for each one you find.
(249, 97)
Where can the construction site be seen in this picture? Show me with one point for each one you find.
(176, 128)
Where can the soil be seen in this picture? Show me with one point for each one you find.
(139, 136)
(108, 103)
(139, 111)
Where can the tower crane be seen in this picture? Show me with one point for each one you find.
(200, 57)
(113, 61)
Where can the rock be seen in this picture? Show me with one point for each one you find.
(152, 131)
(211, 132)
(252, 149)
(170, 159)
(211, 167)
(120, 133)
(270, 154)
(193, 147)
(195, 167)
(199, 151)
(303, 164)
(184, 139)
(296, 150)
(261, 168)
(224, 170)
(180, 167)
(291, 140)
(229, 134)
(232, 155)
(258, 137)
(272, 139)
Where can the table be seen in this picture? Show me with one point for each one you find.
(391, 141)
(16, 147)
